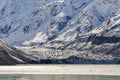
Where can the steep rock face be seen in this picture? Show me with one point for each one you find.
(11, 56)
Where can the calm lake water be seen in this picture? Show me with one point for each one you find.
(57, 77)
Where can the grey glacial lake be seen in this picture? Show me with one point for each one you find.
(56, 77)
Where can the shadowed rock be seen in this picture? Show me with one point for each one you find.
(11, 56)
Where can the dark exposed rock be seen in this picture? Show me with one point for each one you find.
(11, 56)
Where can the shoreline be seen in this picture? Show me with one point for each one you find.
(112, 70)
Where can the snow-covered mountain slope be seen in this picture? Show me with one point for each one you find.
(36, 21)
(85, 25)
(10, 55)
(91, 17)
(102, 40)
